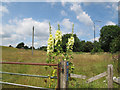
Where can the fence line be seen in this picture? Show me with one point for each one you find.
(28, 75)
(28, 86)
(62, 77)
(40, 64)
(77, 76)
(110, 77)
(96, 77)
(23, 63)
(116, 80)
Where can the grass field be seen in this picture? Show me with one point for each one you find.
(85, 64)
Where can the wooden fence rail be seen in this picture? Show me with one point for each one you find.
(116, 80)
(96, 77)
(77, 76)
(109, 75)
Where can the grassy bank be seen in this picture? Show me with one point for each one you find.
(85, 64)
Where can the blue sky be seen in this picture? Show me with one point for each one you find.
(18, 19)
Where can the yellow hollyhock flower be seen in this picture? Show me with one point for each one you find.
(58, 36)
(50, 46)
(70, 43)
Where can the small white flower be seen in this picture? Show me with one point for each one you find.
(114, 78)
(104, 81)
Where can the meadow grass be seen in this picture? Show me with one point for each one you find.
(85, 64)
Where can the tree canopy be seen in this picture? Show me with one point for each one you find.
(20, 45)
(107, 36)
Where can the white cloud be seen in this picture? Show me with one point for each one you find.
(81, 15)
(24, 27)
(3, 10)
(19, 31)
(108, 6)
(110, 23)
(63, 2)
(67, 24)
(63, 13)
(113, 6)
(96, 39)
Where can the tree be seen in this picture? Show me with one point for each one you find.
(10, 46)
(115, 45)
(88, 46)
(31, 47)
(43, 48)
(26, 47)
(20, 45)
(96, 47)
(107, 34)
(82, 44)
(76, 42)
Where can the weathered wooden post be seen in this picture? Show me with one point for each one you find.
(110, 76)
(64, 75)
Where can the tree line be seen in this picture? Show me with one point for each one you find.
(109, 41)
(22, 46)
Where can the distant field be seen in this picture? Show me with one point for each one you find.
(85, 64)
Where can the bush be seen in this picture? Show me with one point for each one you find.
(20, 45)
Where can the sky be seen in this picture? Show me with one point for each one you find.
(18, 19)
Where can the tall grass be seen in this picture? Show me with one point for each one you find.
(85, 64)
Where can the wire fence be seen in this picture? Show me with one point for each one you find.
(40, 76)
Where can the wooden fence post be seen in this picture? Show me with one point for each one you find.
(63, 75)
(110, 76)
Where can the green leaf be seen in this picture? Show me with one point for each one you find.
(47, 60)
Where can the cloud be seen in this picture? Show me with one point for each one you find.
(63, 2)
(108, 6)
(63, 13)
(81, 15)
(110, 23)
(21, 31)
(96, 39)
(67, 25)
(3, 10)
(113, 6)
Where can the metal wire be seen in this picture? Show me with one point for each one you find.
(28, 86)
(28, 75)
(23, 63)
